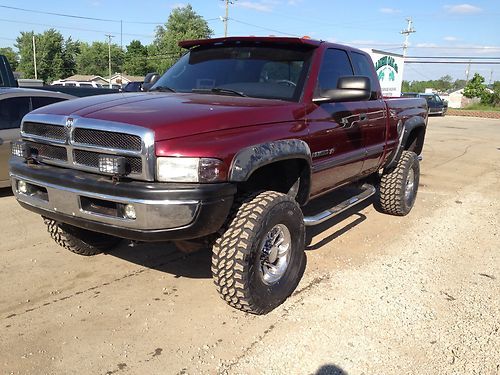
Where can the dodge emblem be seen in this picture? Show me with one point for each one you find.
(69, 122)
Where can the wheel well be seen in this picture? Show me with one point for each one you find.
(281, 176)
(415, 140)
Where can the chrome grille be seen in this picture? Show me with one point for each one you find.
(77, 142)
(45, 130)
(45, 151)
(120, 141)
(91, 159)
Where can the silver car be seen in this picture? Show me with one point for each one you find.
(14, 104)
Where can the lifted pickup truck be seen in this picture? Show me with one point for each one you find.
(226, 149)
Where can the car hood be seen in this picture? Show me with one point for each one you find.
(174, 115)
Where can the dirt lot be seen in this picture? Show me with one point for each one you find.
(381, 294)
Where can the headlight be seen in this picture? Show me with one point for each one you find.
(178, 169)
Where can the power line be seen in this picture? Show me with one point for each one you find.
(263, 28)
(454, 57)
(58, 14)
(452, 62)
(86, 18)
(72, 28)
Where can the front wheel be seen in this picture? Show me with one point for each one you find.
(399, 186)
(259, 259)
(80, 241)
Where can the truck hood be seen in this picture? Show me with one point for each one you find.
(174, 115)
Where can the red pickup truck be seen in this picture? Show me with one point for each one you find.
(227, 148)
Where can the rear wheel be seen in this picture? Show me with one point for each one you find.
(259, 259)
(399, 186)
(80, 241)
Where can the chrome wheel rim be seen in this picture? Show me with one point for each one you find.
(410, 186)
(275, 254)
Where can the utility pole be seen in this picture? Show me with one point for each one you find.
(34, 56)
(226, 18)
(491, 77)
(409, 30)
(109, 57)
(467, 72)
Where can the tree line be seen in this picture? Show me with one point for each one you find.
(57, 57)
(443, 84)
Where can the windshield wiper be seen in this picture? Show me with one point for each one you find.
(162, 89)
(219, 90)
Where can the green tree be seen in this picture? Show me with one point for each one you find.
(93, 59)
(71, 50)
(11, 55)
(54, 55)
(182, 24)
(477, 89)
(136, 59)
(459, 84)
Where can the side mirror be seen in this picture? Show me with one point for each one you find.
(349, 89)
(150, 80)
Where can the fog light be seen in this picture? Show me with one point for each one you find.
(22, 187)
(130, 212)
(115, 165)
(20, 148)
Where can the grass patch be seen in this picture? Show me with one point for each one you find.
(481, 107)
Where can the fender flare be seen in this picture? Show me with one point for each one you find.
(404, 131)
(251, 158)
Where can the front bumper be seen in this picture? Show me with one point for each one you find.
(164, 211)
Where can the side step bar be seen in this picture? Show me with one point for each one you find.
(367, 191)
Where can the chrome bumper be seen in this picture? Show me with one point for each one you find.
(106, 209)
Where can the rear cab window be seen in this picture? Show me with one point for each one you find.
(335, 64)
(364, 67)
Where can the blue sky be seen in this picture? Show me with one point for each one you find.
(443, 28)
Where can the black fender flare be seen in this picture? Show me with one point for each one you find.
(251, 158)
(404, 130)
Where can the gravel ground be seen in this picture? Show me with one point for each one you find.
(381, 294)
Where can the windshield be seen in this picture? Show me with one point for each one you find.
(256, 71)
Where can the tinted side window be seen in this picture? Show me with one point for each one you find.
(363, 67)
(335, 64)
(12, 111)
(40, 101)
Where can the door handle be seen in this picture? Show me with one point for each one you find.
(363, 117)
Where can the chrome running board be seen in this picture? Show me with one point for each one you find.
(367, 191)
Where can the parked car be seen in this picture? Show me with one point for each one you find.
(224, 150)
(437, 106)
(62, 82)
(14, 104)
(133, 86)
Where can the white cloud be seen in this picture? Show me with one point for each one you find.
(450, 38)
(426, 45)
(178, 5)
(389, 10)
(294, 2)
(462, 9)
(254, 5)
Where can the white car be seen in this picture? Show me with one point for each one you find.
(14, 104)
(76, 83)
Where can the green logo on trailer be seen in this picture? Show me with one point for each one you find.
(386, 68)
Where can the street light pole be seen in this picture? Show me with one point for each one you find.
(34, 57)
(109, 57)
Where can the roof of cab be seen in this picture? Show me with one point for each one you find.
(257, 39)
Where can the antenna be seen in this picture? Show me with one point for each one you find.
(409, 30)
